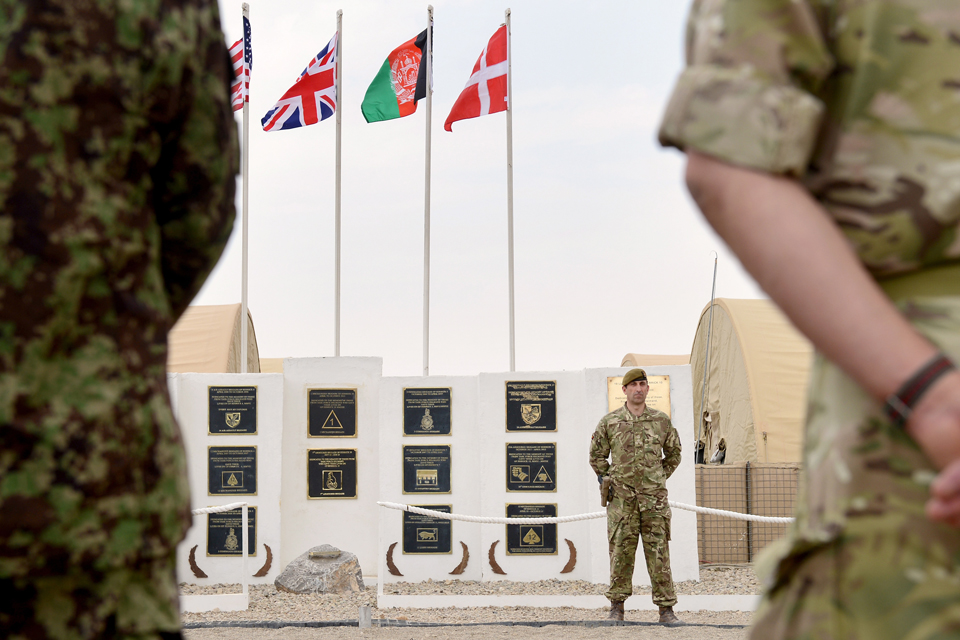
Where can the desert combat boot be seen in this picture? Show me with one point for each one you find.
(668, 617)
(616, 610)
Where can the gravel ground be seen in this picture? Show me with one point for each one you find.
(268, 604)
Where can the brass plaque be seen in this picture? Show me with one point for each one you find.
(232, 471)
(232, 410)
(658, 397)
(532, 466)
(224, 537)
(331, 473)
(426, 412)
(531, 539)
(532, 405)
(427, 535)
(332, 413)
(426, 469)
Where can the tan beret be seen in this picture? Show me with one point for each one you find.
(634, 374)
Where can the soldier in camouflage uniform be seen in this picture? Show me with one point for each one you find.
(644, 450)
(117, 176)
(823, 143)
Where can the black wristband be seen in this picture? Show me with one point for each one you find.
(899, 406)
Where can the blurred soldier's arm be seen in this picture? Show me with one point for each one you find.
(671, 450)
(195, 176)
(599, 450)
(781, 234)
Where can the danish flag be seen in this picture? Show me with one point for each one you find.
(241, 54)
(486, 90)
(312, 98)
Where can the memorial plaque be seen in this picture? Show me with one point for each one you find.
(532, 466)
(657, 398)
(332, 413)
(224, 537)
(426, 469)
(232, 410)
(532, 406)
(531, 539)
(427, 535)
(331, 473)
(232, 471)
(426, 412)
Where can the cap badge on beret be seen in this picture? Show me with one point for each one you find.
(634, 374)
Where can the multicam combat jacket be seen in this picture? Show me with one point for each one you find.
(859, 100)
(644, 451)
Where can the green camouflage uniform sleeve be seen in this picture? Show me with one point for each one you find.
(599, 450)
(747, 96)
(198, 161)
(671, 449)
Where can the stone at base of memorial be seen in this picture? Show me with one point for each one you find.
(304, 574)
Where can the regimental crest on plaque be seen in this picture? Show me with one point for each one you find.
(531, 466)
(332, 480)
(530, 413)
(426, 469)
(232, 471)
(332, 413)
(231, 543)
(332, 422)
(533, 536)
(426, 422)
(543, 476)
(531, 539)
(232, 410)
(519, 473)
(426, 411)
(426, 477)
(231, 479)
(331, 473)
(427, 535)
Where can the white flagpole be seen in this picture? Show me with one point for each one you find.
(426, 201)
(336, 288)
(513, 336)
(245, 175)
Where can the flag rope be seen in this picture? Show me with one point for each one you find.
(576, 518)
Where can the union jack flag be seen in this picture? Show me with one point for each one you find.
(312, 98)
(241, 54)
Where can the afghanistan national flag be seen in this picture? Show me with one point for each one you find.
(401, 81)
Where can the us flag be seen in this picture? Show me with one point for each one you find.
(241, 54)
(312, 98)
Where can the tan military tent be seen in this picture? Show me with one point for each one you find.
(756, 387)
(206, 339)
(644, 360)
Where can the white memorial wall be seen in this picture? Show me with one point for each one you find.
(305, 453)
(203, 403)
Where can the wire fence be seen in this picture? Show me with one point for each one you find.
(763, 489)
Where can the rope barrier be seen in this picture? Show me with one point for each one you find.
(226, 507)
(576, 518)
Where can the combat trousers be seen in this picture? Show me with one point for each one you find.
(862, 561)
(626, 525)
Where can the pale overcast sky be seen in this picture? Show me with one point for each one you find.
(611, 255)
